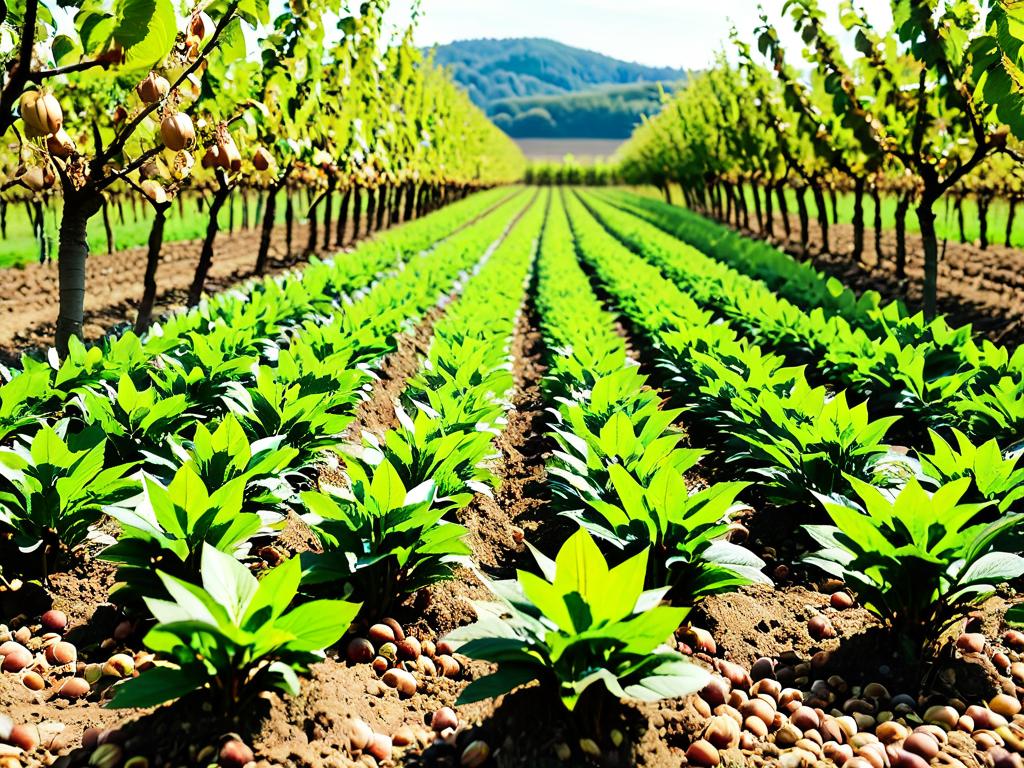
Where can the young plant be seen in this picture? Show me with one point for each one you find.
(224, 455)
(137, 422)
(426, 447)
(53, 491)
(628, 473)
(168, 526)
(310, 421)
(22, 397)
(579, 627)
(87, 367)
(687, 531)
(917, 560)
(381, 539)
(201, 371)
(463, 380)
(997, 477)
(234, 636)
(809, 440)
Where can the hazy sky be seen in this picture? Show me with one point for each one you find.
(679, 33)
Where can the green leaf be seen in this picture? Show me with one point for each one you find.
(155, 686)
(505, 680)
(275, 592)
(317, 625)
(386, 488)
(228, 582)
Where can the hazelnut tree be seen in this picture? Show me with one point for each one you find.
(157, 87)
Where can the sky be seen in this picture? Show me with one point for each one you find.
(676, 33)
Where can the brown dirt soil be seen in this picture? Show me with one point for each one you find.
(981, 287)
(762, 621)
(499, 525)
(114, 284)
(377, 413)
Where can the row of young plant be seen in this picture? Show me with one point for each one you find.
(956, 379)
(587, 625)
(249, 428)
(407, 484)
(917, 540)
(939, 377)
(234, 322)
(384, 533)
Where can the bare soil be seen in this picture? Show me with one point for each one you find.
(28, 303)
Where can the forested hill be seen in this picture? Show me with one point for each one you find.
(603, 112)
(537, 88)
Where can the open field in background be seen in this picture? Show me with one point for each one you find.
(187, 223)
(555, 150)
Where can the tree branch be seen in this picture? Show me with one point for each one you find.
(42, 74)
(134, 165)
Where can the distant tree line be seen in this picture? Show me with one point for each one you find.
(610, 112)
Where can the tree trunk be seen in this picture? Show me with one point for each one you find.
(805, 223)
(3, 219)
(819, 202)
(858, 218)
(156, 241)
(1010, 217)
(393, 191)
(231, 214)
(39, 230)
(930, 246)
(371, 210)
(289, 224)
(346, 201)
(212, 227)
(395, 209)
(106, 226)
(769, 212)
(332, 182)
(834, 199)
(382, 205)
(780, 193)
(72, 254)
(983, 204)
(757, 207)
(357, 211)
(423, 206)
(877, 199)
(902, 207)
(245, 209)
(410, 201)
(269, 213)
(960, 217)
(667, 192)
(311, 233)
